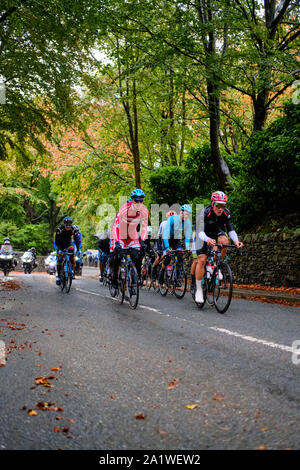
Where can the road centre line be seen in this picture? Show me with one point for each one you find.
(252, 339)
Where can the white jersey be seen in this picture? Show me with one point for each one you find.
(161, 228)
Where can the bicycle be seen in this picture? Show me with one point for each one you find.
(128, 282)
(67, 272)
(146, 272)
(217, 281)
(175, 278)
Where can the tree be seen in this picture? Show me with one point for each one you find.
(264, 64)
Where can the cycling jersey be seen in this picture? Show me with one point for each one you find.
(125, 225)
(173, 230)
(63, 238)
(214, 225)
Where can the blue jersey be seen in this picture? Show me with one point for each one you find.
(174, 228)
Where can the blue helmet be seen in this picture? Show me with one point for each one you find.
(137, 193)
(68, 220)
(186, 208)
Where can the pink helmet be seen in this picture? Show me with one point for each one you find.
(219, 197)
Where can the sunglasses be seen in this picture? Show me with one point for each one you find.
(138, 201)
(220, 206)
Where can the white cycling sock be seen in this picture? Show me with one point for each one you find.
(199, 293)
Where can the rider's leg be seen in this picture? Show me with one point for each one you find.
(199, 273)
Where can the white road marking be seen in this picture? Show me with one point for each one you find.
(252, 339)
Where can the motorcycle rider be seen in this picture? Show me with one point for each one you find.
(33, 252)
(7, 244)
(63, 241)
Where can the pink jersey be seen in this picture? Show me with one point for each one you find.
(126, 222)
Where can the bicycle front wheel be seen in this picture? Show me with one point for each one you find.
(132, 287)
(164, 287)
(120, 292)
(179, 282)
(68, 275)
(222, 289)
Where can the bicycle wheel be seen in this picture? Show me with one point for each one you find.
(164, 287)
(63, 275)
(222, 290)
(132, 286)
(154, 279)
(179, 281)
(120, 291)
(149, 277)
(68, 274)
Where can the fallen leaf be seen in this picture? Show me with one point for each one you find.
(192, 407)
(55, 429)
(32, 413)
(140, 416)
(54, 369)
(161, 432)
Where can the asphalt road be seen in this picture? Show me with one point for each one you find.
(98, 375)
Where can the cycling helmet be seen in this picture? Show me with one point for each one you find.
(76, 227)
(6, 241)
(186, 208)
(137, 194)
(218, 197)
(32, 249)
(170, 213)
(68, 220)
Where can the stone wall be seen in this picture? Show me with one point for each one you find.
(270, 259)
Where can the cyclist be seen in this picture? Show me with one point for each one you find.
(103, 251)
(215, 221)
(172, 235)
(63, 241)
(125, 234)
(159, 244)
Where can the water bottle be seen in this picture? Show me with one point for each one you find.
(209, 271)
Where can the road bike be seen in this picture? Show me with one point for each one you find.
(175, 277)
(66, 272)
(128, 282)
(217, 281)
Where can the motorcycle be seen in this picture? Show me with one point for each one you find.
(28, 262)
(7, 260)
(50, 264)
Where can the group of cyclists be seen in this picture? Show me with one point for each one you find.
(174, 234)
(131, 233)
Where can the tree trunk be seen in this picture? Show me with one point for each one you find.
(219, 163)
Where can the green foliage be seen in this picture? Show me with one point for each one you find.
(269, 176)
(200, 178)
(168, 185)
(26, 236)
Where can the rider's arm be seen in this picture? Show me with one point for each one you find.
(187, 234)
(144, 223)
(166, 234)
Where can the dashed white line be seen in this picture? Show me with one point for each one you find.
(252, 339)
